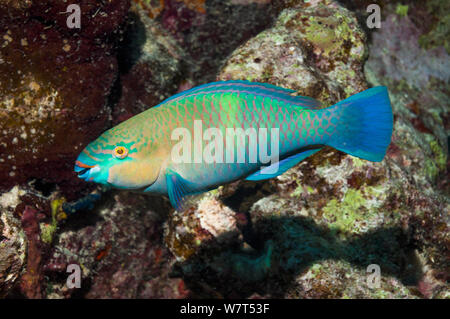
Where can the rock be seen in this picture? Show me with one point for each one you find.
(317, 231)
(335, 206)
(120, 250)
(206, 223)
(317, 50)
(209, 36)
(12, 243)
(151, 65)
(54, 90)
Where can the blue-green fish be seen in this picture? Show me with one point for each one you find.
(192, 142)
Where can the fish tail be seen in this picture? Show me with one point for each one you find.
(364, 124)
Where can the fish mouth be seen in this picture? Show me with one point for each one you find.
(82, 170)
(84, 173)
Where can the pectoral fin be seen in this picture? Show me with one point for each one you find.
(283, 166)
(178, 188)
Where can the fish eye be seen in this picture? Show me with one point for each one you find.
(120, 152)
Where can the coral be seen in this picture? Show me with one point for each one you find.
(216, 218)
(53, 81)
(317, 51)
(32, 281)
(350, 215)
(402, 10)
(433, 63)
(310, 233)
(206, 222)
(439, 33)
(48, 230)
(12, 243)
(184, 235)
(118, 245)
(154, 8)
(151, 66)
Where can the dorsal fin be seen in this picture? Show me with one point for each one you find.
(240, 86)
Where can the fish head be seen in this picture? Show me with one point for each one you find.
(120, 159)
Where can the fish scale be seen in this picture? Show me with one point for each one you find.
(242, 110)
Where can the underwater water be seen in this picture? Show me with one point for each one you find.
(352, 218)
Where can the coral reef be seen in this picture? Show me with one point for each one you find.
(12, 242)
(337, 207)
(120, 250)
(318, 51)
(312, 232)
(54, 80)
(151, 65)
(154, 8)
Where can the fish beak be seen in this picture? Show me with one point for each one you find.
(84, 174)
(84, 171)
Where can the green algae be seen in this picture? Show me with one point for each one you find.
(439, 34)
(48, 230)
(439, 155)
(335, 39)
(358, 162)
(350, 214)
(402, 10)
(437, 162)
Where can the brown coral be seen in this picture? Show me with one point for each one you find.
(153, 8)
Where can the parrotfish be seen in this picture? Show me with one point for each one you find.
(192, 142)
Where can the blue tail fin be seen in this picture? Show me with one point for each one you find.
(365, 122)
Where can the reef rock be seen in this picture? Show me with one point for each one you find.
(333, 217)
(210, 30)
(12, 242)
(151, 68)
(321, 230)
(317, 50)
(55, 84)
(119, 247)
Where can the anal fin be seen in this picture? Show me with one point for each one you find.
(283, 166)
